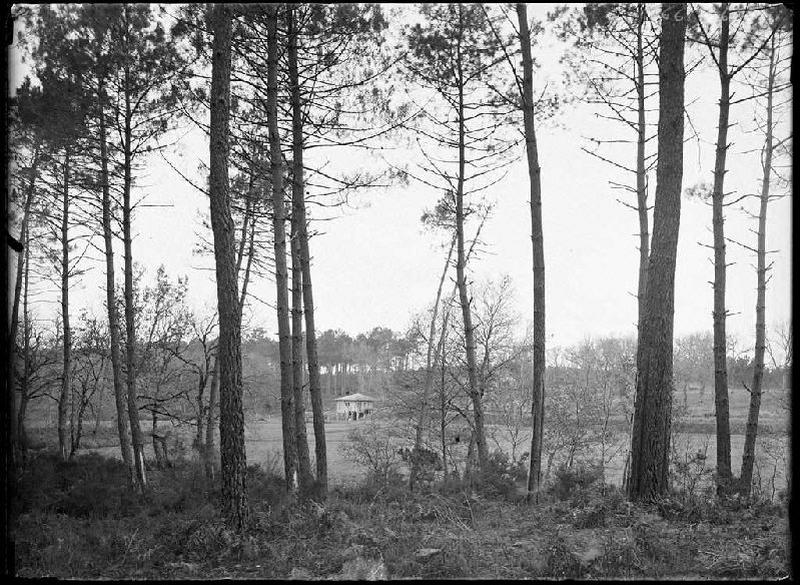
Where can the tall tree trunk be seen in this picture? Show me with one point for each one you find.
(720, 312)
(303, 459)
(137, 436)
(641, 202)
(469, 331)
(247, 239)
(537, 242)
(653, 404)
(641, 170)
(23, 238)
(21, 416)
(111, 303)
(231, 419)
(209, 450)
(442, 388)
(305, 478)
(249, 265)
(76, 426)
(17, 445)
(201, 411)
(281, 269)
(248, 206)
(429, 365)
(22, 435)
(748, 454)
(64, 396)
(298, 196)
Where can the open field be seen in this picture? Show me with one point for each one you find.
(264, 448)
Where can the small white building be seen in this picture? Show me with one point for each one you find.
(354, 406)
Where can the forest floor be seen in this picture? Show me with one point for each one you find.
(78, 520)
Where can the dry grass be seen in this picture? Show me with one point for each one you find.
(373, 530)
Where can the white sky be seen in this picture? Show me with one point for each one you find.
(375, 266)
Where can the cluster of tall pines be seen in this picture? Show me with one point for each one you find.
(271, 85)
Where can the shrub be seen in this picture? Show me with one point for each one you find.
(88, 486)
(390, 487)
(210, 540)
(265, 485)
(577, 484)
(689, 471)
(501, 475)
(370, 445)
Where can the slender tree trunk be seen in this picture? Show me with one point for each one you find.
(21, 415)
(653, 404)
(247, 239)
(303, 459)
(641, 171)
(23, 238)
(201, 414)
(248, 267)
(751, 432)
(248, 206)
(22, 435)
(469, 331)
(281, 269)
(537, 242)
(209, 450)
(720, 312)
(641, 199)
(77, 428)
(111, 303)
(298, 195)
(17, 445)
(130, 320)
(429, 364)
(63, 399)
(442, 394)
(231, 420)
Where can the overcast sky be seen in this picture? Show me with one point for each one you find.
(374, 265)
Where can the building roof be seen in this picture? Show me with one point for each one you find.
(357, 397)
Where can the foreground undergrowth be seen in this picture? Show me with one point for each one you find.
(78, 520)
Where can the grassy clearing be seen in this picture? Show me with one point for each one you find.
(264, 448)
(78, 520)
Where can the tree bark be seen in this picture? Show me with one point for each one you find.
(248, 236)
(653, 404)
(641, 170)
(537, 242)
(305, 478)
(469, 331)
(281, 269)
(249, 265)
(22, 436)
(442, 387)
(201, 410)
(720, 312)
(23, 238)
(137, 436)
(111, 303)
(17, 440)
(751, 432)
(64, 396)
(231, 423)
(298, 195)
(641, 207)
(210, 458)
